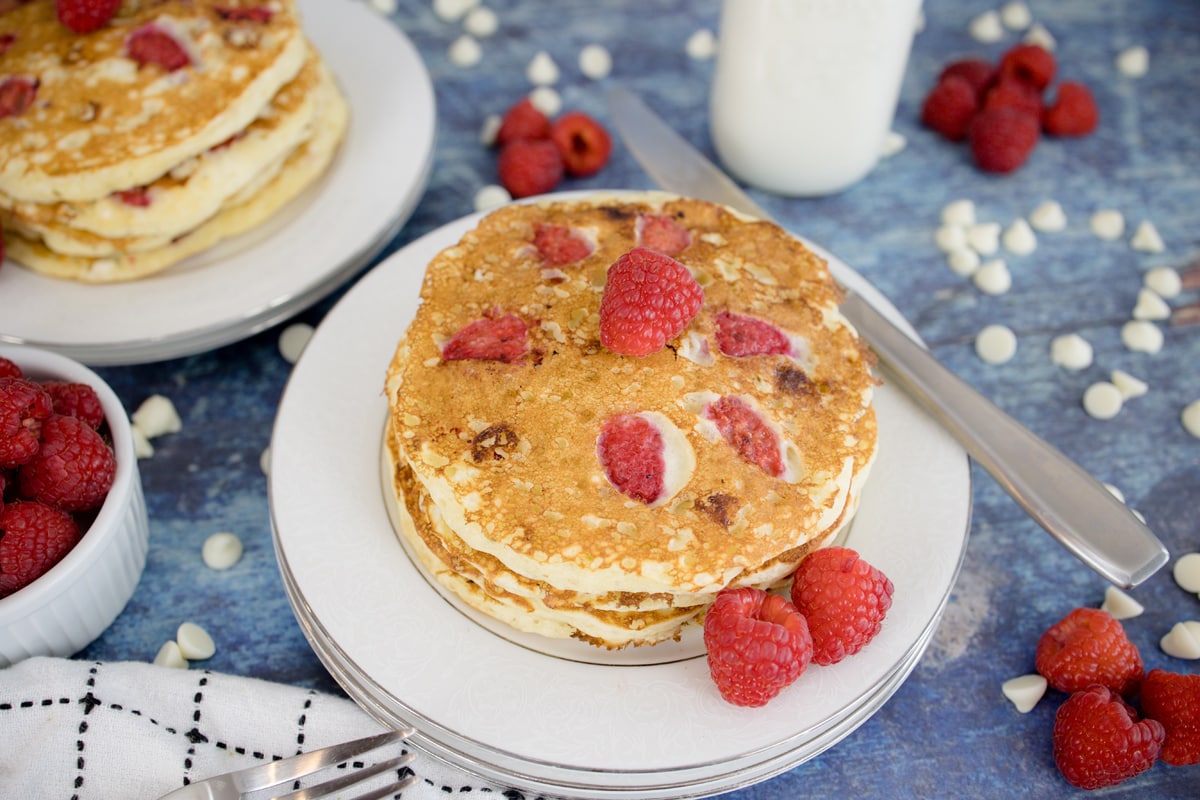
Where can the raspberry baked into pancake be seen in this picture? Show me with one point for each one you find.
(608, 409)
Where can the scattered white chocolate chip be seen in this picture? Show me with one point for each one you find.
(141, 445)
(194, 642)
(1015, 15)
(993, 277)
(465, 51)
(1102, 400)
(1146, 238)
(893, 143)
(1181, 642)
(292, 341)
(156, 416)
(1129, 386)
(959, 212)
(1025, 691)
(1120, 605)
(1115, 492)
(963, 261)
(384, 7)
(1191, 418)
(547, 100)
(949, 237)
(987, 27)
(221, 550)
(541, 70)
(1163, 281)
(1019, 239)
(1049, 217)
(169, 656)
(489, 129)
(1108, 224)
(1142, 336)
(1133, 62)
(1039, 35)
(452, 10)
(264, 460)
(1187, 572)
(481, 22)
(1071, 351)
(595, 61)
(996, 344)
(1150, 306)
(491, 196)
(984, 237)
(701, 45)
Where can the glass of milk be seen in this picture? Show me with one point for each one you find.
(804, 91)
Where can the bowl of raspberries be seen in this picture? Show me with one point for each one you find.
(73, 523)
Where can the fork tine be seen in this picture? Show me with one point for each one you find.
(265, 776)
(354, 777)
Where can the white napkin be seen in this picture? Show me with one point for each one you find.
(133, 731)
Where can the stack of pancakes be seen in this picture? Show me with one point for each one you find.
(493, 466)
(119, 169)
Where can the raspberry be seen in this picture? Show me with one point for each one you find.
(748, 433)
(1088, 646)
(1002, 138)
(662, 233)
(33, 538)
(8, 369)
(844, 599)
(489, 339)
(630, 449)
(976, 71)
(1098, 740)
(1030, 64)
(584, 143)
(742, 337)
(76, 400)
(758, 643)
(522, 121)
(17, 93)
(560, 245)
(84, 16)
(1014, 94)
(150, 44)
(648, 300)
(529, 166)
(1073, 112)
(260, 14)
(139, 196)
(6, 41)
(1173, 699)
(72, 470)
(949, 108)
(24, 407)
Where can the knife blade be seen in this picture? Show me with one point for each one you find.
(1057, 493)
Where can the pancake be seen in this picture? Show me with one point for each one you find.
(509, 505)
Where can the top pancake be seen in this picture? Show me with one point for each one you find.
(507, 451)
(101, 122)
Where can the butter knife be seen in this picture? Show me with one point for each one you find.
(1061, 496)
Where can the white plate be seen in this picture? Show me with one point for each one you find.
(318, 241)
(551, 724)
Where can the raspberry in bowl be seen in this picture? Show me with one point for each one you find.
(79, 532)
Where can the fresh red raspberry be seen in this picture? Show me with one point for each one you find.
(1098, 740)
(17, 93)
(1016, 94)
(139, 196)
(150, 44)
(741, 337)
(84, 16)
(747, 433)
(583, 142)
(72, 470)
(663, 233)
(558, 244)
(259, 14)
(1029, 63)
(529, 166)
(8, 369)
(1089, 646)
(33, 538)
(489, 339)
(1073, 112)
(76, 400)
(522, 121)
(6, 41)
(758, 643)
(949, 108)
(1173, 699)
(844, 598)
(1002, 138)
(630, 449)
(24, 408)
(649, 298)
(976, 71)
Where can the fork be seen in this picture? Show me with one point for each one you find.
(243, 782)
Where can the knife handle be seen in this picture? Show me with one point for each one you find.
(1059, 494)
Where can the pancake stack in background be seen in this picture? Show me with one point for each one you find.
(500, 392)
(176, 124)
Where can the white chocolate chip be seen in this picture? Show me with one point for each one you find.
(491, 196)
(546, 100)
(1163, 281)
(1187, 572)
(1015, 15)
(893, 143)
(996, 344)
(1142, 336)
(156, 416)
(465, 51)
(1146, 238)
(987, 27)
(141, 445)
(963, 261)
(1039, 35)
(701, 45)
(1108, 224)
(1133, 62)
(194, 642)
(489, 129)
(1120, 605)
(292, 341)
(384, 7)
(1025, 691)
(1150, 306)
(169, 656)
(264, 461)
(595, 61)
(221, 550)
(959, 212)
(1102, 400)
(541, 70)
(1115, 492)
(452, 10)
(1049, 217)
(1071, 351)
(993, 277)
(1191, 418)
(949, 237)
(984, 237)
(1181, 642)
(1129, 386)
(481, 22)
(1019, 239)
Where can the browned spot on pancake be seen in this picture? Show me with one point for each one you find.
(492, 441)
(793, 380)
(720, 507)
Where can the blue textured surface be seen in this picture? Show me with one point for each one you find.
(947, 732)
